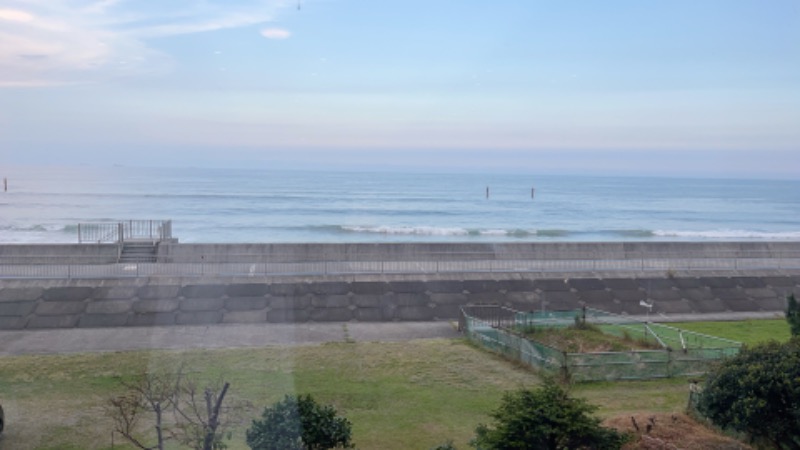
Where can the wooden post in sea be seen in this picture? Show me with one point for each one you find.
(5, 184)
(533, 191)
(487, 191)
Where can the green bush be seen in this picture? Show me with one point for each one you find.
(448, 445)
(545, 419)
(299, 423)
(793, 315)
(758, 393)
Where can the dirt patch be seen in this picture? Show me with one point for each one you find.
(671, 432)
(586, 340)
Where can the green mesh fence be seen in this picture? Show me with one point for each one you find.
(669, 351)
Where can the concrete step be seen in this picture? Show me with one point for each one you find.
(136, 252)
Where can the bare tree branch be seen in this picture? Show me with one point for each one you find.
(177, 408)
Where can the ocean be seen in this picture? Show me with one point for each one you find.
(44, 205)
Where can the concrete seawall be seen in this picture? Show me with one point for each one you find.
(164, 300)
(193, 253)
(58, 253)
(36, 304)
(232, 253)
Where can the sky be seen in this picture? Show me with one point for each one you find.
(680, 87)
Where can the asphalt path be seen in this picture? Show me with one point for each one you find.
(59, 341)
(79, 340)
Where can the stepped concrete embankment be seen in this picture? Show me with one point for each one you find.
(204, 300)
(35, 304)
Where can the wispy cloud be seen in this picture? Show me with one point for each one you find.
(15, 15)
(275, 33)
(50, 42)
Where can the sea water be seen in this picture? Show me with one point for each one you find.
(46, 204)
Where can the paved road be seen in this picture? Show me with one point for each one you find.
(257, 335)
(215, 336)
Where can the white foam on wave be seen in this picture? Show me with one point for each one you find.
(728, 234)
(38, 233)
(38, 228)
(427, 231)
(494, 232)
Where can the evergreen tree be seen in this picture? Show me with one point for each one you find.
(299, 423)
(793, 315)
(545, 419)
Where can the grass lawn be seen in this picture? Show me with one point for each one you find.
(746, 331)
(397, 395)
(401, 395)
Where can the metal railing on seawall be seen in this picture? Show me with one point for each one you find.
(134, 270)
(149, 230)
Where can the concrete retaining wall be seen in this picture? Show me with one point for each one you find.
(58, 253)
(463, 251)
(232, 253)
(32, 304)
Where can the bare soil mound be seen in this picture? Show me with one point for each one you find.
(671, 432)
(586, 340)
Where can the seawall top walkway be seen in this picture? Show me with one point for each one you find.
(287, 260)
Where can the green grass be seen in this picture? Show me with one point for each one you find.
(748, 331)
(397, 395)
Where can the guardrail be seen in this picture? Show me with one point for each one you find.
(111, 232)
(382, 267)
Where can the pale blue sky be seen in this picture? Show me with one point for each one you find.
(675, 87)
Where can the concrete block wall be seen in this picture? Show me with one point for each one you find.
(58, 253)
(175, 252)
(170, 251)
(36, 304)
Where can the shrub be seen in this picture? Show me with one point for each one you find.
(299, 423)
(758, 393)
(545, 419)
(793, 315)
(447, 445)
